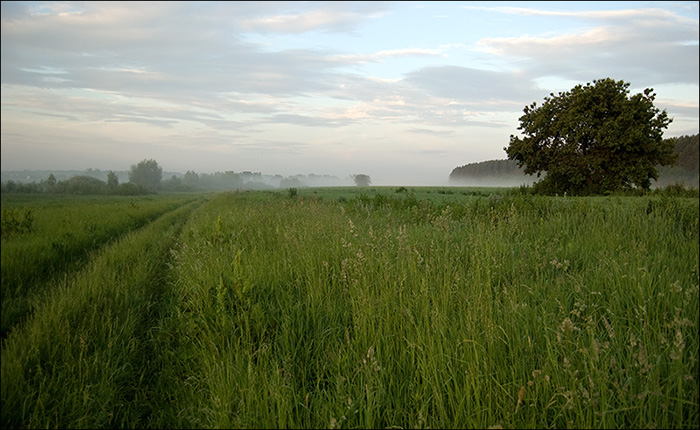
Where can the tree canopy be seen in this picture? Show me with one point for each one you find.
(147, 174)
(593, 139)
(112, 180)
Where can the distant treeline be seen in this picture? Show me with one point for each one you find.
(80, 184)
(498, 170)
(684, 171)
(95, 181)
(192, 181)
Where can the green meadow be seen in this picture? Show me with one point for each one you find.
(377, 307)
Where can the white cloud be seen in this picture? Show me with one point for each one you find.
(647, 46)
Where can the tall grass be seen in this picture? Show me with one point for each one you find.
(391, 312)
(264, 310)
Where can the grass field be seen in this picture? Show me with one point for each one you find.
(378, 307)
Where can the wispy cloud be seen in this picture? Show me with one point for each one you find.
(634, 43)
(382, 55)
(323, 17)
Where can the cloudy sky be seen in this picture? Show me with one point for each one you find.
(401, 91)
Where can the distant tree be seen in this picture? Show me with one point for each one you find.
(112, 180)
(9, 187)
(292, 182)
(81, 184)
(172, 184)
(190, 179)
(593, 139)
(688, 148)
(129, 189)
(686, 169)
(48, 185)
(362, 180)
(147, 174)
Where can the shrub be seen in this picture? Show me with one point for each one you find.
(16, 222)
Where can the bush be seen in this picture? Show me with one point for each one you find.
(16, 222)
(677, 190)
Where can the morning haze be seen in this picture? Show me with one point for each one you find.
(401, 91)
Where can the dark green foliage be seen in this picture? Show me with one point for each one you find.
(147, 174)
(487, 169)
(15, 221)
(175, 183)
(683, 173)
(685, 170)
(81, 185)
(190, 179)
(593, 139)
(688, 149)
(51, 181)
(18, 187)
(112, 180)
(677, 190)
(129, 189)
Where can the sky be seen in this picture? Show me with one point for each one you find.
(401, 91)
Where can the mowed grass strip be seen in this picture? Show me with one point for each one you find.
(62, 234)
(82, 359)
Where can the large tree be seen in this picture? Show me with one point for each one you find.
(147, 174)
(593, 139)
